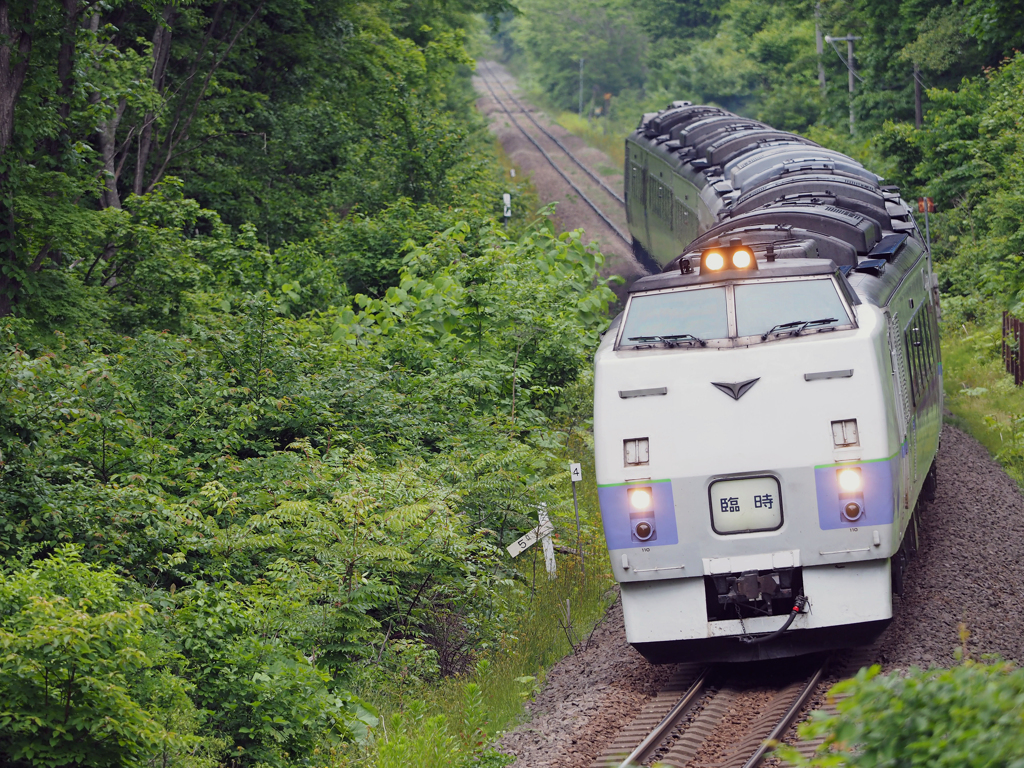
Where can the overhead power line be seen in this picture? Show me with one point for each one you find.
(848, 39)
(831, 41)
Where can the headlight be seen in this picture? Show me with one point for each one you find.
(714, 260)
(640, 498)
(850, 480)
(741, 258)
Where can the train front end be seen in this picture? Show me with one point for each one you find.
(747, 461)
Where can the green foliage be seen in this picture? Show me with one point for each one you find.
(971, 160)
(74, 656)
(556, 35)
(252, 682)
(302, 496)
(980, 393)
(417, 738)
(965, 716)
(758, 59)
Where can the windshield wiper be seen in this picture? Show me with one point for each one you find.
(797, 326)
(671, 340)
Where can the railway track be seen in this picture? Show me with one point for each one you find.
(724, 716)
(511, 106)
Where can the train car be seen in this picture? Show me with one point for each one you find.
(767, 407)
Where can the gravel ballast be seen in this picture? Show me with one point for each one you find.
(968, 571)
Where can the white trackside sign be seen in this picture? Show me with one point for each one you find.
(576, 472)
(530, 538)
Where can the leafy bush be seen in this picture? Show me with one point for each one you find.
(971, 160)
(299, 497)
(965, 716)
(74, 657)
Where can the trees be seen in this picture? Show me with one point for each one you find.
(297, 494)
(555, 36)
(968, 715)
(246, 451)
(761, 60)
(278, 114)
(75, 658)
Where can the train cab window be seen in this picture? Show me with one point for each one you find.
(700, 313)
(763, 306)
(741, 313)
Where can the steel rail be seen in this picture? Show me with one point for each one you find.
(787, 720)
(627, 240)
(555, 139)
(668, 722)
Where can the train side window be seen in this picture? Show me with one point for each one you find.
(912, 344)
(930, 338)
(926, 335)
(918, 342)
(908, 344)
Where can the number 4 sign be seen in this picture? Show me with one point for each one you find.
(576, 473)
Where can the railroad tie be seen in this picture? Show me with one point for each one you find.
(842, 667)
(649, 716)
(737, 755)
(696, 732)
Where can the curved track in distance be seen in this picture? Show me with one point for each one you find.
(487, 76)
(555, 139)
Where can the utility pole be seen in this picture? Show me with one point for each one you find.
(821, 49)
(581, 86)
(848, 39)
(918, 112)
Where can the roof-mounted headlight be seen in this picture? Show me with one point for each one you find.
(712, 260)
(742, 258)
(737, 256)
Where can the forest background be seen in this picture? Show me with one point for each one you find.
(277, 387)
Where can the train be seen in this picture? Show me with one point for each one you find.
(768, 404)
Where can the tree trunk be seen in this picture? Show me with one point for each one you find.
(107, 131)
(161, 55)
(188, 104)
(918, 111)
(15, 48)
(65, 76)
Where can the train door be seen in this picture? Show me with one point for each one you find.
(903, 409)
